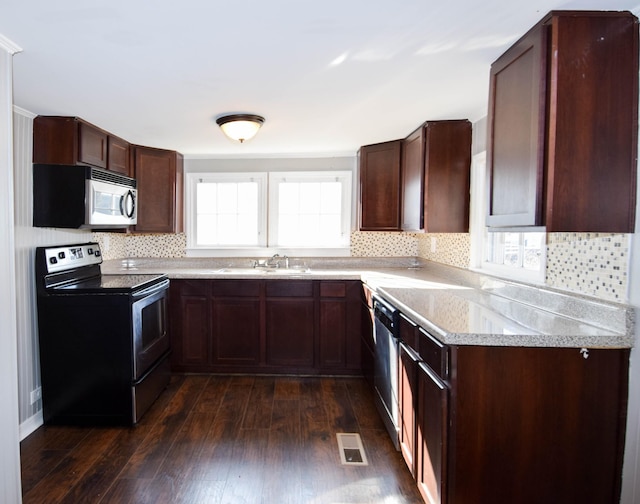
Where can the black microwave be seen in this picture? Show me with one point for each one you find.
(82, 197)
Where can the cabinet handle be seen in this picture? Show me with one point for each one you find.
(585, 353)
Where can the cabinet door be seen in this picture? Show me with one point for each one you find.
(332, 332)
(431, 435)
(236, 332)
(380, 186)
(366, 334)
(159, 176)
(119, 155)
(189, 325)
(592, 127)
(515, 156)
(290, 323)
(413, 171)
(407, 394)
(448, 176)
(92, 145)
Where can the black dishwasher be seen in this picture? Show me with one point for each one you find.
(385, 378)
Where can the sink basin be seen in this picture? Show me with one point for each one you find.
(264, 271)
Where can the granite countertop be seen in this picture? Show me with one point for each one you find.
(459, 307)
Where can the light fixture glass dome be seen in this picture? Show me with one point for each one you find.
(240, 127)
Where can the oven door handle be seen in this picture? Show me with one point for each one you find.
(149, 291)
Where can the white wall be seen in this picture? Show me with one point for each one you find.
(10, 489)
(631, 469)
(27, 238)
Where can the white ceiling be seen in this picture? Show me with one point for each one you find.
(327, 75)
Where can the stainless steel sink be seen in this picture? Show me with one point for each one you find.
(264, 271)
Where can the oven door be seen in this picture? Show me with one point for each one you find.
(150, 336)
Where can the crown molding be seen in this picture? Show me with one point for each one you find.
(9, 46)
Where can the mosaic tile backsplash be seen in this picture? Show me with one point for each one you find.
(592, 264)
(381, 244)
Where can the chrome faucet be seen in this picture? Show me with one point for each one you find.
(275, 261)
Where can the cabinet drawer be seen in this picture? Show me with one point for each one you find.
(333, 289)
(434, 353)
(191, 287)
(245, 288)
(409, 333)
(289, 288)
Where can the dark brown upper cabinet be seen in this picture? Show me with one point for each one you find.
(159, 173)
(380, 186)
(562, 125)
(73, 141)
(435, 174)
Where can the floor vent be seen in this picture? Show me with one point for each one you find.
(351, 450)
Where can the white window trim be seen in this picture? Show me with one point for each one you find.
(479, 233)
(344, 177)
(191, 205)
(192, 250)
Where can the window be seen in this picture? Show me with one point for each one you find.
(515, 250)
(288, 211)
(514, 255)
(224, 208)
(309, 209)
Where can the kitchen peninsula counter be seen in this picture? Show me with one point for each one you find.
(458, 306)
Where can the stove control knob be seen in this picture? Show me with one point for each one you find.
(90, 251)
(61, 255)
(53, 260)
(97, 253)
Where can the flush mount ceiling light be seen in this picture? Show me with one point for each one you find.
(240, 127)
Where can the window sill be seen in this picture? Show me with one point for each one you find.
(267, 252)
(510, 273)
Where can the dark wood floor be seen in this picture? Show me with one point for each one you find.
(213, 439)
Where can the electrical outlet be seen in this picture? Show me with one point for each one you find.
(36, 395)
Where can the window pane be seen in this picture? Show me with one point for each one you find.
(511, 253)
(310, 214)
(331, 200)
(533, 243)
(516, 250)
(227, 213)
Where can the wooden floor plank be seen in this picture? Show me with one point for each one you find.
(194, 447)
(260, 406)
(218, 444)
(150, 455)
(338, 406)
(71, 468)
(247, 468)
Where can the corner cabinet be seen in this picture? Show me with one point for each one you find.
(563, 120)
(73, 141)
(435, 174)
(498, 425)
(159, 174)
(380, 186)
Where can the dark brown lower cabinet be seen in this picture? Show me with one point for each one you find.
(290, 323)
(431, 434)
(235, 323)
(407, 395)
(266, 326)
(498, 425)
(366, 335)
(532, 425)
(189, 325)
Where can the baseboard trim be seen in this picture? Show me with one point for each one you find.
(30, 425)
